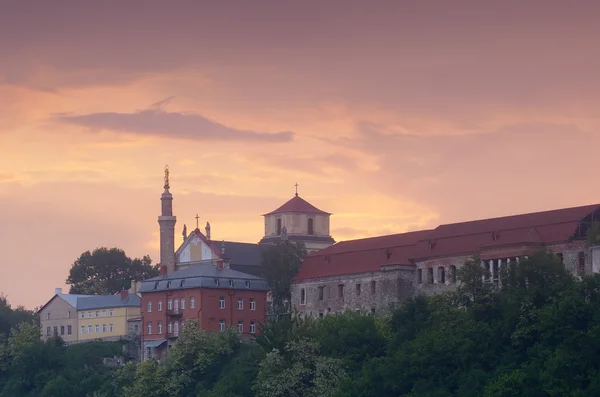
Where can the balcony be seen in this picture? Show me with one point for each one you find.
(172, 335)
(174, 313)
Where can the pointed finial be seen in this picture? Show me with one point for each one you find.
(207, 229)
(184, 231)
(166, 177)
(296, 188)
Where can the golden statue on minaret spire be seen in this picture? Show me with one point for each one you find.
(167, 177)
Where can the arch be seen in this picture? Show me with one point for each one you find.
(442, 275)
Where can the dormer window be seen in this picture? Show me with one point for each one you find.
(231, 283)
(216, 282)
(181, 283)
(311, 226)
(168, 284)
(247, 284)
(156, 285)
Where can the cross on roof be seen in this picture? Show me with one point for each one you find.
(296, 188)
(197, 217)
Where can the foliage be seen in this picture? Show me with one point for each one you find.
(107, 271)
(10, 317)
(280, 263)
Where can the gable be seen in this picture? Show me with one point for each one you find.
(195, 249)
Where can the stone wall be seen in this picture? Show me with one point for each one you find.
(431, 287)
(366, 291)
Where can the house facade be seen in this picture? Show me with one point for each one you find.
(214, 296)
(374, 273)
(79, 318)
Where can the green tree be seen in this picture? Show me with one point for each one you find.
(107, 271)
(280, 263)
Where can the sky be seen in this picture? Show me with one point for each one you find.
(393, 115)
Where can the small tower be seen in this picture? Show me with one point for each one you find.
(167, 221)
(298, 221)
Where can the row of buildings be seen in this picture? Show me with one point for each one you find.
(218, 285)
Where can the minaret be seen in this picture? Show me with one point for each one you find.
(167, 228)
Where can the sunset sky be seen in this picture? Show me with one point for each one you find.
(394, 115)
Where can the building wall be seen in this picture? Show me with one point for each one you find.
(297, 223)
(206, 310)
(390, 286)
(58, 316)
(100, 321)
(196, 250)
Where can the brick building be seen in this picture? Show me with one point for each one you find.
(373, 273)
(215, 297)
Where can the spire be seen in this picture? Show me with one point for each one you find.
(167, 177)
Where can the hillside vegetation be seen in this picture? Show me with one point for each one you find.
(539, 335)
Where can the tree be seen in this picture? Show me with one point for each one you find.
(107, 271)
(280, 263)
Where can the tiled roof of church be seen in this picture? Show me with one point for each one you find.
(457, 239)
(298, 204)
(361, 255)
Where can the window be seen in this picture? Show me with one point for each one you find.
(110, 313)
(49, 331)
(192, 302)
(216, 282)
(97, 329)
(110, 328)
(231, 283)
(170, 305)
(168, 284)
(149, 328)
(311, 228)
(321, 315)
(103, 313)
(372, 310)
(97, 314)
(159, 308)
(103, 328)
(69, 314)
(181, 283)
(278, 226)
(357, 289)
(430, 275)
(302, 296)
(341, 290)
(182, 303)
(176, 328)
(159, 327)
(441, 275)
(252, 327)
(581, 263)
(82, 330)
(560, 257)
(48, 316)
(240, 326)
(170, 328)
(89, 329)
(240, 304)
(176, 305)
(156, 285)
(149, 307)
(247, 284)
(69, 330)
(321, 293)
(222, 325)
(419, 276)
(222, 302)
(55, 330)
(252, 304)
(453, 274)
(82, 314)
(373, 287)
(89, 314)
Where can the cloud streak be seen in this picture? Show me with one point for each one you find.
(158, 122)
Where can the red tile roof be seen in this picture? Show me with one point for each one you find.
(298, 204)
(516, 233)
(362, 255)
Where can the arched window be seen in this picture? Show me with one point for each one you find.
(441, 275)
(302, 296)
(311, 226)
(453, 274)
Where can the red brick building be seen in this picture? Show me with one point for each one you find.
(373, 273)
(216, 297)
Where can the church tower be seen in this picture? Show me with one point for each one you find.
(298, 221)
(166, 220)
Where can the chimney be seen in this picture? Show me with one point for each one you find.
(162, 270)
(57, 290)
(124, 294)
